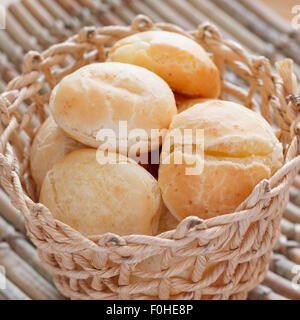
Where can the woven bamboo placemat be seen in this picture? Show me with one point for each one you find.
(36, 24)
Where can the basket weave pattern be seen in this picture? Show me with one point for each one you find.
(105, 267)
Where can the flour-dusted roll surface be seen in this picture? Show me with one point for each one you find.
(94, 198)
(100, 95)
(240, 149)
(179, 60)
(50, 144)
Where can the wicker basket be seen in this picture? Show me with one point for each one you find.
(238, 245)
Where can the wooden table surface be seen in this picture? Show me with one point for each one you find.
(282, 7)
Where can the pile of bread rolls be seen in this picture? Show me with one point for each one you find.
(156, 81)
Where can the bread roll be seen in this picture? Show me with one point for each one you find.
(179, 60)
(184, 103)
(240, 149)
(93, 198)
(50, 144)
(100, 95)
(167, 221)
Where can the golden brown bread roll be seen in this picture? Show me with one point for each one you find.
(100, 95)
(179, 60)
(240, 149)
(50, 144)
(184, 103)
(119, 197)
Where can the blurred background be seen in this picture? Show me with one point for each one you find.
(264, 27)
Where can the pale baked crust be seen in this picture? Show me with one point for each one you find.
(240, 149)
(179, 60)
(50, 145)
(93, 198)
(100, 95)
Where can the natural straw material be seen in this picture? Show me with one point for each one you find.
(105, 266)
(264, 293)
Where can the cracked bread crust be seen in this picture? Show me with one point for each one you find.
(240, 149)
(100, 95)
(179, 60)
